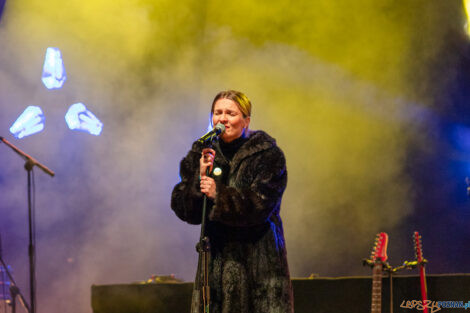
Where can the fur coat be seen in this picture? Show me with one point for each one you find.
(248, 269)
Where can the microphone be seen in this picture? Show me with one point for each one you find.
(217, 131)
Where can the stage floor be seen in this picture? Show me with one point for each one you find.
(318, 295)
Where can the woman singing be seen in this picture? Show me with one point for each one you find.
(248, 270)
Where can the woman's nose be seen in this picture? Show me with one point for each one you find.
(223, 118)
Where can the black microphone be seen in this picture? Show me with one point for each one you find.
(217, 131)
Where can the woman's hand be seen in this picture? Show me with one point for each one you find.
(208, 186)
(206, 161)
(207, 183)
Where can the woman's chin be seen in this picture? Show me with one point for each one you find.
(228, 139)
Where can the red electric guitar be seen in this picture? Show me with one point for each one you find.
(377, 258)
(422, 273)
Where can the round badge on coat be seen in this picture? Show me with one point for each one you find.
(217, 171)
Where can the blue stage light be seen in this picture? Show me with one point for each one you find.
(53, 72)
(31, 121)
(460, 137)
(2, 5)
(78, 117)
(5, 283)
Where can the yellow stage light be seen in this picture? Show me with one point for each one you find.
(466, 4)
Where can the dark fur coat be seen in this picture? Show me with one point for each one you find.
(248, 269)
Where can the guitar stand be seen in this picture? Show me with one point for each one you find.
(14, 291)
(385, 265)
(407, 265)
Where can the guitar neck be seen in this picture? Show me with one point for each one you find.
(376, 305)
(422, 272)
(424, 291)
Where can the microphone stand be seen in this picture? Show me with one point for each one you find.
(203, 248)
(30, 163)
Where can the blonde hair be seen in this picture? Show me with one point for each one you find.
(238, 97)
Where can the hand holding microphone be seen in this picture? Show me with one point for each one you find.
(206, 163)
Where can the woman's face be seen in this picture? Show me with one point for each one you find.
(227, 112)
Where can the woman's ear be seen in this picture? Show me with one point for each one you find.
(247, 122)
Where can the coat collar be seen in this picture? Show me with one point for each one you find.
(257, 141)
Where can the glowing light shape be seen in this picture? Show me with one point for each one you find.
(30, 122)
(78, 117)
(466, 4)
(53, 72)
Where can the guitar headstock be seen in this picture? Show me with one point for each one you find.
(418, 246)
(379, 252)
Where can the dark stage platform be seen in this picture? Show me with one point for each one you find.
(318, 295)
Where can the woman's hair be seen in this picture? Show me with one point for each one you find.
(238, 97)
